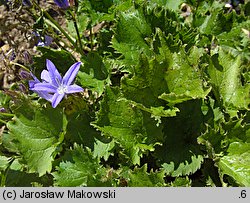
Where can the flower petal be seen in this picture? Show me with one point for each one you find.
(24, 74)
(47, 40)
(45, 76)
(40, 44)
(56, 99)
(53, 73)
(34, 77)
(62, 3)
(32, 83)
(44, 95)
(45, 87)
(73, 89)
(71, 73)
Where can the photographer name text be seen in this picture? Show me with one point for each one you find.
(70, 194)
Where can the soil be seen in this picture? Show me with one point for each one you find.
(17, 38)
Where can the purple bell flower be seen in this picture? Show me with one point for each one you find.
(42, 94)
(2, 110)
(24, 75)
(64, 4)
(53, 86)
(47, 41)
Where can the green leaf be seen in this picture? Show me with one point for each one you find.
(158, 111)
(135, 30)
(121, 121)
(130, 33)
(147, 82)
(217, 22)
(95, 6)
(82, 23)
(88, 81)
(236, 163)
(213, 139)
(94, 64)
(174, 77)
(180, 153)
(95, 73)
(237, 130)
(80, 131)
(184, 168)
(181, 182)
(16, 178)
(4, 99)
(173, 99)
(139, 177)
(184, 78)
(101, 6)
(214, 134)
(170, 4)
(103, 150)
(4, 162)
(36, 135)
(221, 130)
(235, 37)
(62, 59)
(78, 168)
(225, 73)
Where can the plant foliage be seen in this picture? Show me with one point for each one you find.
(166, 100)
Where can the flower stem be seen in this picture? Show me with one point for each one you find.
(3, 179)
(91, 39)
(56, 24)
(4, 175)
(7, 114)
(2, 121)
(58, 27)
(17, 64)
(77, 32)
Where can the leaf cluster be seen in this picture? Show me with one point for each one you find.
(166, 102)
